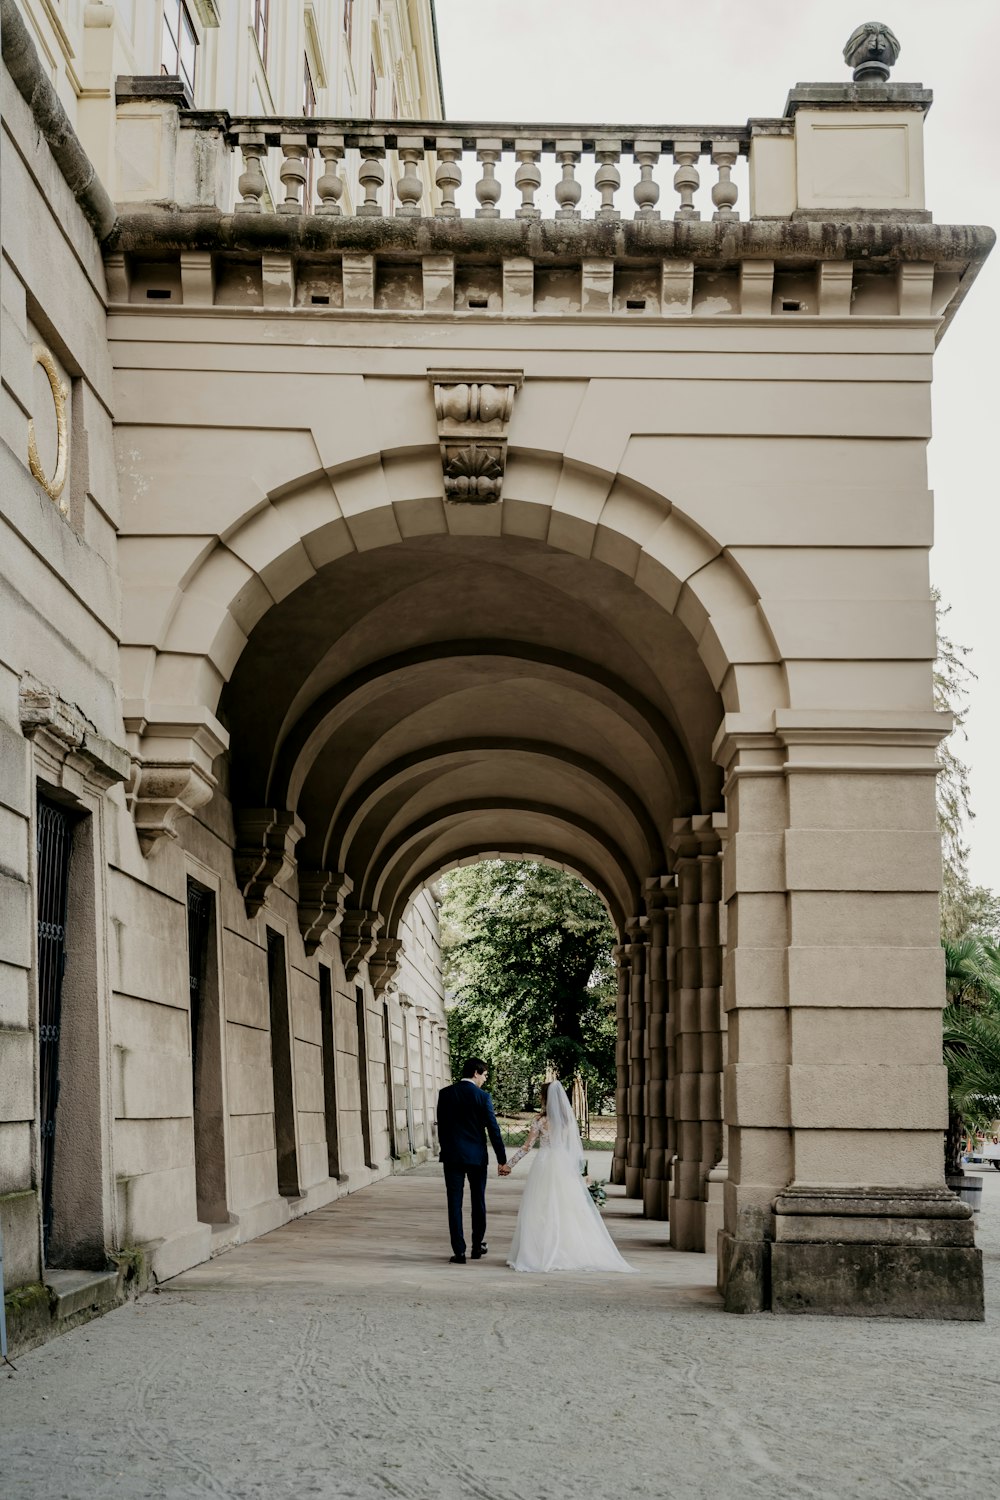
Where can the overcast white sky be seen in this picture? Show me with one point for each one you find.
(722, 61)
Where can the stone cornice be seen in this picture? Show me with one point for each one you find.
(793, 242)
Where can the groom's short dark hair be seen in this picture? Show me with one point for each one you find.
(472, 1066)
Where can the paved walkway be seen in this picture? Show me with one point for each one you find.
(342, 1356)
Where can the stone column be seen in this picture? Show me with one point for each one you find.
(620, 1160)
(697, 1093)
(719, 1174)
(835, 1091)
(636, 953)
(661, 894)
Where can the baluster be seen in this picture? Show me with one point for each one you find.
(293, 173)
(607, 178)
(410, 185)
(487, 188)
(330, 186)
(528, 177)
(252, 183)
(725, 192)
(568, 190)
(371, 175)
(646, 192)
(687, 179)
(448, 175)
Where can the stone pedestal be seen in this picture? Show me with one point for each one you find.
(881, 1253)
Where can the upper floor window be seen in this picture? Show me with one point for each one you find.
(348, 21)
(374, 93)
(180, 43)
(261, 19)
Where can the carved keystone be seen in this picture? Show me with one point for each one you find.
(264, 854)
(358, 935)
(322, 894)
(473, 414)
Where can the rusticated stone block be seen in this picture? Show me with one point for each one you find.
(878, 1281)
(744, 1274)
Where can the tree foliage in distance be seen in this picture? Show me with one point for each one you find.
(971, 1041)
(528, 965)
(965, 907)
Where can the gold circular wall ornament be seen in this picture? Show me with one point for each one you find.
(55, 484)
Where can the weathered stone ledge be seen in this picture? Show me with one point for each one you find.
(158, 230)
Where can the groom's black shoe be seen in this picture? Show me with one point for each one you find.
(478, 1251)
(458, 1260)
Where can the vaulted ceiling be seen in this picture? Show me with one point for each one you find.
(445, 697)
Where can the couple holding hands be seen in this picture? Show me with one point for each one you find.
(559, 1227)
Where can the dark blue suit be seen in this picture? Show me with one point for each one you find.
(464, 1113)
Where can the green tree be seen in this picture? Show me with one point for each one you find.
(971, 1041)
(527, 960)
(965, 907)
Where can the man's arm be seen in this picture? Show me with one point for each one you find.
(494, 1132)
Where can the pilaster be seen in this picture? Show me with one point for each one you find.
(636, 953)
(622, 1013)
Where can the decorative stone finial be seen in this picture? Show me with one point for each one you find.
(871, 51)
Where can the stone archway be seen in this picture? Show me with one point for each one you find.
(808, 771)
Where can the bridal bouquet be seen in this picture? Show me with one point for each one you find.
(596, 1191)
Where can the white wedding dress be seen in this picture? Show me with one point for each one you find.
(559, 1227)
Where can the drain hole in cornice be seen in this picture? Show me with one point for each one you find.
(158, 293)
(635, 304)
(319, 301)
(479, 302)
(791, 306)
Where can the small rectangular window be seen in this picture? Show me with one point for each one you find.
(179, 44)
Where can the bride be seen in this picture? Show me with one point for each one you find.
(559, 1227)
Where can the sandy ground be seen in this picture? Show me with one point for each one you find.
(342, 1356)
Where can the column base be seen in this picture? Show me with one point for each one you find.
(687, 1224)
(618, 1171)
(875, 1252)
(633, 1182)
(859, 1252)
(656, 1198)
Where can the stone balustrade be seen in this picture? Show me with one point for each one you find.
(561, 161)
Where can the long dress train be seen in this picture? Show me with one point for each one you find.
(559, 1227)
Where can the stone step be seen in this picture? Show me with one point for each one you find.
(74, 1291)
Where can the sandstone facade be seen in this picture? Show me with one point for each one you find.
(593, 538)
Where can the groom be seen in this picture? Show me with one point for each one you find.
(464, 1112)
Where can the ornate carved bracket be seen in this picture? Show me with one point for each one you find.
(358, 935)
(473, 414)
(67, 737)
(383, 963)
(171, 768)
(264, 854)
(322, 894)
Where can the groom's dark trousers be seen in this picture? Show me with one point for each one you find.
(465, 1117)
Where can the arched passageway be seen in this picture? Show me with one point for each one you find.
(686, 654)
(414, 705)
